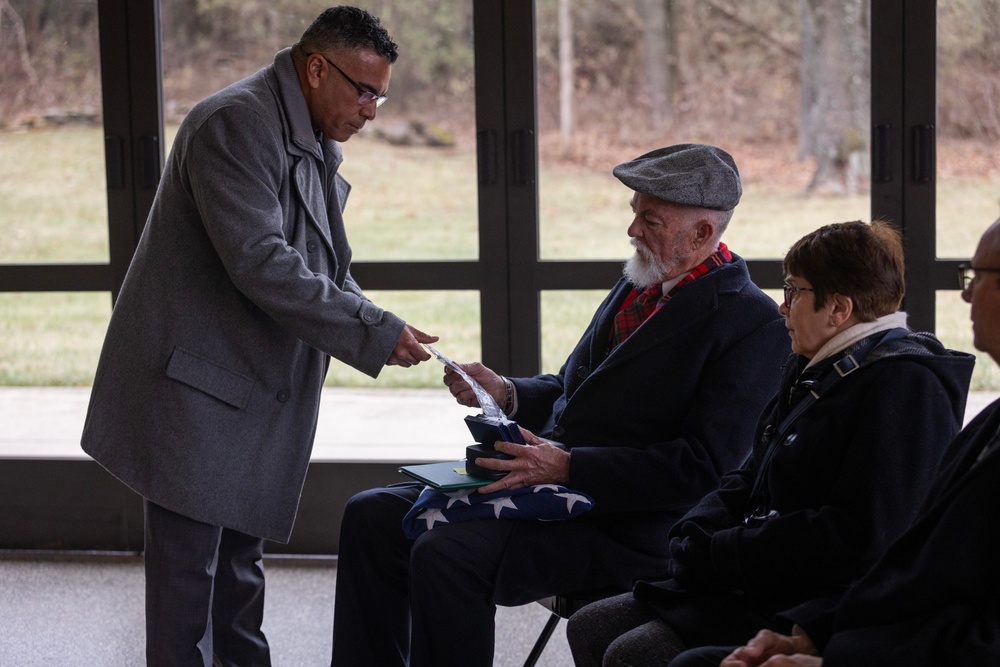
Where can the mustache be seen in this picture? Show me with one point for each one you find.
(642, 249)
(644, 268)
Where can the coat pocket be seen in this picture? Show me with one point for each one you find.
(209, 377)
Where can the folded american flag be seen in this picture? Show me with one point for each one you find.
(544, 502)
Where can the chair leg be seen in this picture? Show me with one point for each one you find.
(543, 639)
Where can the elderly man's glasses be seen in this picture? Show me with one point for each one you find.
(967, 274)
(364, 96)
(790, 292)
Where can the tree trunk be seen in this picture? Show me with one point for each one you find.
(835, 93)
(566, 121)
(8, 13)
(657, 62)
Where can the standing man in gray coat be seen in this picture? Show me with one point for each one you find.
(206, 395)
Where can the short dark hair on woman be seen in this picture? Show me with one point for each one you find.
(347, 28)
(855, 259)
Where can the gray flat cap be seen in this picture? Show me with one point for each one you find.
(689, 174)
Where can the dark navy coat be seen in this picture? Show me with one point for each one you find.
(652, 427)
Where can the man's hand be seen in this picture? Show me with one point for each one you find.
(538, 462)
(774, 650)
(487, 379)
(409, 351)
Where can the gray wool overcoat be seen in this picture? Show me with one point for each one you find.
(206, 394)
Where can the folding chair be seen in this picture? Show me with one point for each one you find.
(562, 606)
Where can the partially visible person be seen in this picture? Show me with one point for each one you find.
(207, 391)
(934, 597)
(842, 457)
(657, 400)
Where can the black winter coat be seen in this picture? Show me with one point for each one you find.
(847, 481)
(934, 598)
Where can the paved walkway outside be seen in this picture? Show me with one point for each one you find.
(354, 424)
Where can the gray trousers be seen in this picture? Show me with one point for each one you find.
(204, 594)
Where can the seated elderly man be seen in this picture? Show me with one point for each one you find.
(934, 597)
(656, 401)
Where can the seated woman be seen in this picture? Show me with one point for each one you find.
(843, 457)
(932, 598)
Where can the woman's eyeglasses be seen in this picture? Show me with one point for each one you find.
(790, 292)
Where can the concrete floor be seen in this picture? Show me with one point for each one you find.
(77, 610)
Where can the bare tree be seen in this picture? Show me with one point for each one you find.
(566, 122)
(835, 93)
(18, 80)
(657, 61)
(21, 42)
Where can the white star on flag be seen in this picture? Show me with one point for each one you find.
(500, 503)
(459, 497)
(572, 499)
(432, 516)
(544, 502)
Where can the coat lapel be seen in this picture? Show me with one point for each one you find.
(338, 189)
(680, 312)
(970, 464)
(605, 321)
(310, 191)
(955, 476)
(304, 149)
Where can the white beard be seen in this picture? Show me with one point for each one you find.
(644, 269)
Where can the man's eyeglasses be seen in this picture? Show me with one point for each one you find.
(364, 96)
(790, 292)
(967, 273)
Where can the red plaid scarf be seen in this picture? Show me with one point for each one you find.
(637, 307)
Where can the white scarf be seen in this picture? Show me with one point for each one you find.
(853, 334)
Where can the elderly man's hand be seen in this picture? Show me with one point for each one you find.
(537, 462)
(487, 379)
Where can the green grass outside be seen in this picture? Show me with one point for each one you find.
(53, 206)
(407, 203)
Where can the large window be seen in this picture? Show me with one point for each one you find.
(53, 207)
(967, 145)
(483, 207)
(782, 85)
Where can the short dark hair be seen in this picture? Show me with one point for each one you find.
(855, 259)
(347, 28)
